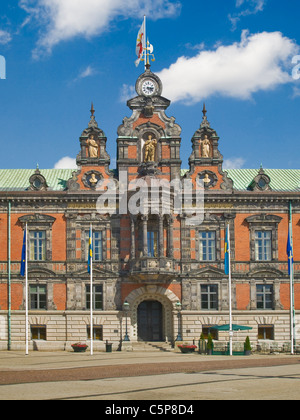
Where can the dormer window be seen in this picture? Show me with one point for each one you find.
(38, 181)
(261, 182)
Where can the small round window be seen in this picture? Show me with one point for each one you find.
(37, 183)
(262, 183)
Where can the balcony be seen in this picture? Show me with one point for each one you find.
(156, 268)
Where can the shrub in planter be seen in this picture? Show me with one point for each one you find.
(201, 344)
(210, 344)
(247, 346)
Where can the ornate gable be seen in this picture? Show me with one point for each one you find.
(93, 160)
(149, 141)
(206, 160)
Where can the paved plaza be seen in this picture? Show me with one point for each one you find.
(145, 376)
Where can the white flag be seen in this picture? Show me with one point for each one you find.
(140, 44)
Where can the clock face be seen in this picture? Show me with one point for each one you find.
(148, 87)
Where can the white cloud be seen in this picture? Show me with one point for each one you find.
(63, 20)
(296, 92)
(258, 62)
(89, 71)
(253, 7)
(127, 92)
(5, 37)
(233, 163)
(66, 163)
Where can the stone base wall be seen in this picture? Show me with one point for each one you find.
(66, 328)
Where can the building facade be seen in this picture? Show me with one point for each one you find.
(150, 257)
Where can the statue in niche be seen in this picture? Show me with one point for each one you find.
(150, 149)
(92, 147)
(206, 180)
(93, 180)
(205, 147)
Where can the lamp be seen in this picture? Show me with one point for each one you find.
(126, 308)
(178, 307)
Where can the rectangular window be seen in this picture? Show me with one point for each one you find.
(38, 332)
(97, 297)
(206, 330)
(37, 240)
(97, 245)
(152, 243)
(38, 297)
(263, 246)
(97, 332)
(266, 332)
(207, 246)
(209, 297)
(264, 296)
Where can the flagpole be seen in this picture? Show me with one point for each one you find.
(91, 292)
(229, 292)
(291, 281)
(145, 42)
(26, 292)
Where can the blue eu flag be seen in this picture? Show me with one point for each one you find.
(289, 251)
(23, 258)
(227, 250)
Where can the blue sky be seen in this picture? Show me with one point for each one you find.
(234, 55)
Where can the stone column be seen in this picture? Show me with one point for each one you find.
(71, 235)
(161, 234)
(170, 237)
(132, 249)
(145, 235)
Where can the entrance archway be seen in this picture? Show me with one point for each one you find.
(159, 294)
(150, 321)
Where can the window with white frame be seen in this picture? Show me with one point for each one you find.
(38, 297)
(209, 297)
(97, 245)
(207, 246)
(263, 245)
(264, 296)
(37, 245)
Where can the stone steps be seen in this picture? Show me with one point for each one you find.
(152, 346)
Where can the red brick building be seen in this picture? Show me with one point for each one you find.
(152, 260)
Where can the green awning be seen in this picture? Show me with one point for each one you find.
(226, 327)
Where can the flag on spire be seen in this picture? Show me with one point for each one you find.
(141, 43)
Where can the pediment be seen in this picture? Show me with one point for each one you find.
(265, 272)
(209, 272)
(96, 272)
(41, 272)
(37, 218)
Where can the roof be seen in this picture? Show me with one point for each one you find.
(281, 179)
(18, 179)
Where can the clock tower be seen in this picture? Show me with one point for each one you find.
(149, 141)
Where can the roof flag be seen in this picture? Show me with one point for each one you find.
(141, 43)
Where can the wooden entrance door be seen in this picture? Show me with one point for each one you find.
(150, 321)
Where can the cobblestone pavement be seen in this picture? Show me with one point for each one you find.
(146, 376)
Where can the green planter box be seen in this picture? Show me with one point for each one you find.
(186, 350)
(79, 349)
